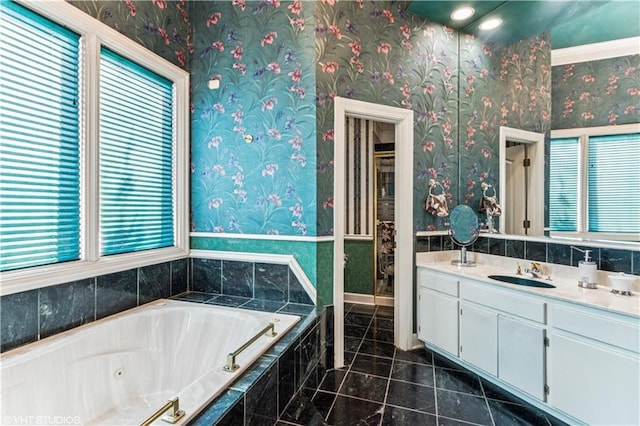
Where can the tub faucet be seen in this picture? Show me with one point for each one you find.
(535, 271)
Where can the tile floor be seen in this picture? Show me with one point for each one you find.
(382, 385)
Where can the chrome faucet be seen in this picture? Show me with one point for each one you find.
(535, 271)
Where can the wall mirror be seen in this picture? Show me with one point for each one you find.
(528, 202)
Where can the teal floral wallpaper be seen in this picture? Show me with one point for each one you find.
(499, 86)
(596, 93)
(377, 52)
(253, 139)
(162, 26)
(280, 64)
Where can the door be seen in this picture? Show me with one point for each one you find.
(516, 210)
(385, 243)
(521, 356)
(438, 319)
(404, 257)
(479, 337)
(596, 383)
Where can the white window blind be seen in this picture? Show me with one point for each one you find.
(563, 184)
(594, 181)
(39, 140)
(136, 157)
(614, 183)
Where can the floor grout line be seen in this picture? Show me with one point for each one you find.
(486, 401)
(413, 373)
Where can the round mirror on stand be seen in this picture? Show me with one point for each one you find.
(464, 230)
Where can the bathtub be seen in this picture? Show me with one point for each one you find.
(121, 369)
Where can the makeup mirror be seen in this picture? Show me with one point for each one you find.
(464, 230)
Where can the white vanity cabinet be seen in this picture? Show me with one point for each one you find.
(438, 310)
(479, 337)
(503, 334)
(594, 366)
(581, 362)
(521, 355)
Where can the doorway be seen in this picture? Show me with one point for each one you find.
(385, 239)
(369, 211)
(521, 190)
(403, 201)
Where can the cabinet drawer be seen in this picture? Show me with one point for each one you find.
(513, 304)
(612, 331)
(443, 283)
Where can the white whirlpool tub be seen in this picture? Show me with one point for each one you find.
(121, 369)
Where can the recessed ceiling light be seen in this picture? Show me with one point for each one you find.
(490, 24)
(462, 13)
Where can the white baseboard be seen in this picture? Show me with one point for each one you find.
(361, 299)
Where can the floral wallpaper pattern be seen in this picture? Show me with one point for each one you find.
(377, 52)
(280, 64)
(499, 86)
(162, 26)
(412, 63)
(253, 139)
(596, 93)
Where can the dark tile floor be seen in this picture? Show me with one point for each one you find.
(382, 385)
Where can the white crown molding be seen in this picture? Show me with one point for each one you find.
(231, 236)
(596, 51)
(280, 259)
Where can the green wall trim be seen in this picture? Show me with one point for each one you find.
(325, 273)
(303, 251)
(358, 275)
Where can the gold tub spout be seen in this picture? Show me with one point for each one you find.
(176, 413)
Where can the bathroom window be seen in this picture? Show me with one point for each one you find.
(93, 149)
(136, 157)
(594, 181)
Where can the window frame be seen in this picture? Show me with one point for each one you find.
(584, 134)
(95, 34)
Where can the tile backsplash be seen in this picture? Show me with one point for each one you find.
(608, 259)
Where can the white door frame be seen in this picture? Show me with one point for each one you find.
(403, 267)
(536, 178)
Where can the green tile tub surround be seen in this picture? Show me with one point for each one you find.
(261, 395)
(35, 314)
(235, 282)
(358, 274)
(314, 257)
(304, 251)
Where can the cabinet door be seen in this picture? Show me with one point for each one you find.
(521, 357)
(595, 383)
(438, 320)
(479, 337)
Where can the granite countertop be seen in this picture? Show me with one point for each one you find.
(565, 278)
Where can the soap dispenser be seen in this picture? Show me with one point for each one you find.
(587, 270)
